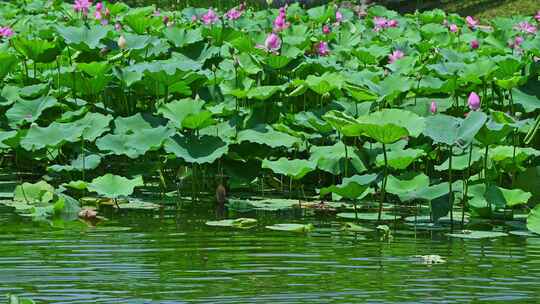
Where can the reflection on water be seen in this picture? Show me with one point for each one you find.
(178, 258)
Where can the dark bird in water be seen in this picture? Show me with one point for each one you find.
(221, 195)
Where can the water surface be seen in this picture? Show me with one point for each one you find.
(177, 259)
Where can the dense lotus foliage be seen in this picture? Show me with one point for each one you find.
(428, 113)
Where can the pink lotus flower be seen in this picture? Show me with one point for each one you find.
(537, 16)
(471, 22)
(97, 15)
(234, 14)
(518, 41)
(166, 20)
(453, 28)
(392, 23)
(396, 55)
(433, 107)
(326, 29)
(118, 26)
(82, 6)
(99, 6)
(280, 23)
(6, 32)
(379, 23)
(272, 42)
(475, 44)
(526, 27)
(339, 17)
(210, 17)
(194, 18)
(474, 101)
(322, 48)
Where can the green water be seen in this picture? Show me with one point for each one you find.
(176, 258)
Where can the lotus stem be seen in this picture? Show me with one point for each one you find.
(383, 186)
(450, 192)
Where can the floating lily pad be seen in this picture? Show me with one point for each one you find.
(113, 186)
(356, 228)
(241, 223)
(292, 227)
(477, 234)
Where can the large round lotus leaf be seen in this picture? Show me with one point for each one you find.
(53, 135)
(40, 192)
(178, 110)
(292, 227)
(135, 144)
(533, 220)
(181, 37)
(37, 50)
(325, 83)
(263, 92)
(241, 223)
(265, 135)
(374, 216)
(332, 158)
(452, 130)
(94, 69)
(296, 168)
(132, 123)
(401, 187)
(496, 129)
(476, 234)
(266, 204)
(205, 149)
(461, 162)
(512, 154)
(5, 135)
(90, 162)
(387, 126)
(94, 124)
(199, 120)
(9, 61)
(351, 187)
(400, 159)
(114, 186)
(29, 110)
(339, 120)
(83, 37)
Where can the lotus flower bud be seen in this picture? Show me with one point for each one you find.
(433, 107)
(475, 44)
(326, 29)
(474, 101)
(122, 42)
(453, 28)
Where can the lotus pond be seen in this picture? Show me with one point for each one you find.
(320, 132)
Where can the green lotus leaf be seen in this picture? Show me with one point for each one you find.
(178, 110)
(78, 185)
(94, 69)
(9, 62)
(14, 299)
(40, 192)
(53, 135)
(199, 120)
(400, 159)
(451, 130)
(263, 92)
(135, 144)
(36, 49)
(496, 129)
(533, 220)
(90, 162)
(300, 228)
(141, 21)
(296, 168)
(373, 216)
(114, 186)
(138, 42)
(404, 187)
(476, 234)
(461, 162)
(130, 124)
(191, 149)
(34, 91)
(352, 187)
(355, 228)
(240, 223)
(93, 124)
(266, 204)
(325, 83)
(6, 135)
(83, 37)
(529, 102)
(266, 135)
(339, 120)
(332, 158)
(29, 110)
(180, 37)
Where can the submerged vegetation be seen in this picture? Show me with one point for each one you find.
(343, 109)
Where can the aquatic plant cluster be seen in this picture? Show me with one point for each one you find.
(333, 102)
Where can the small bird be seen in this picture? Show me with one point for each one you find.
(221, 195)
